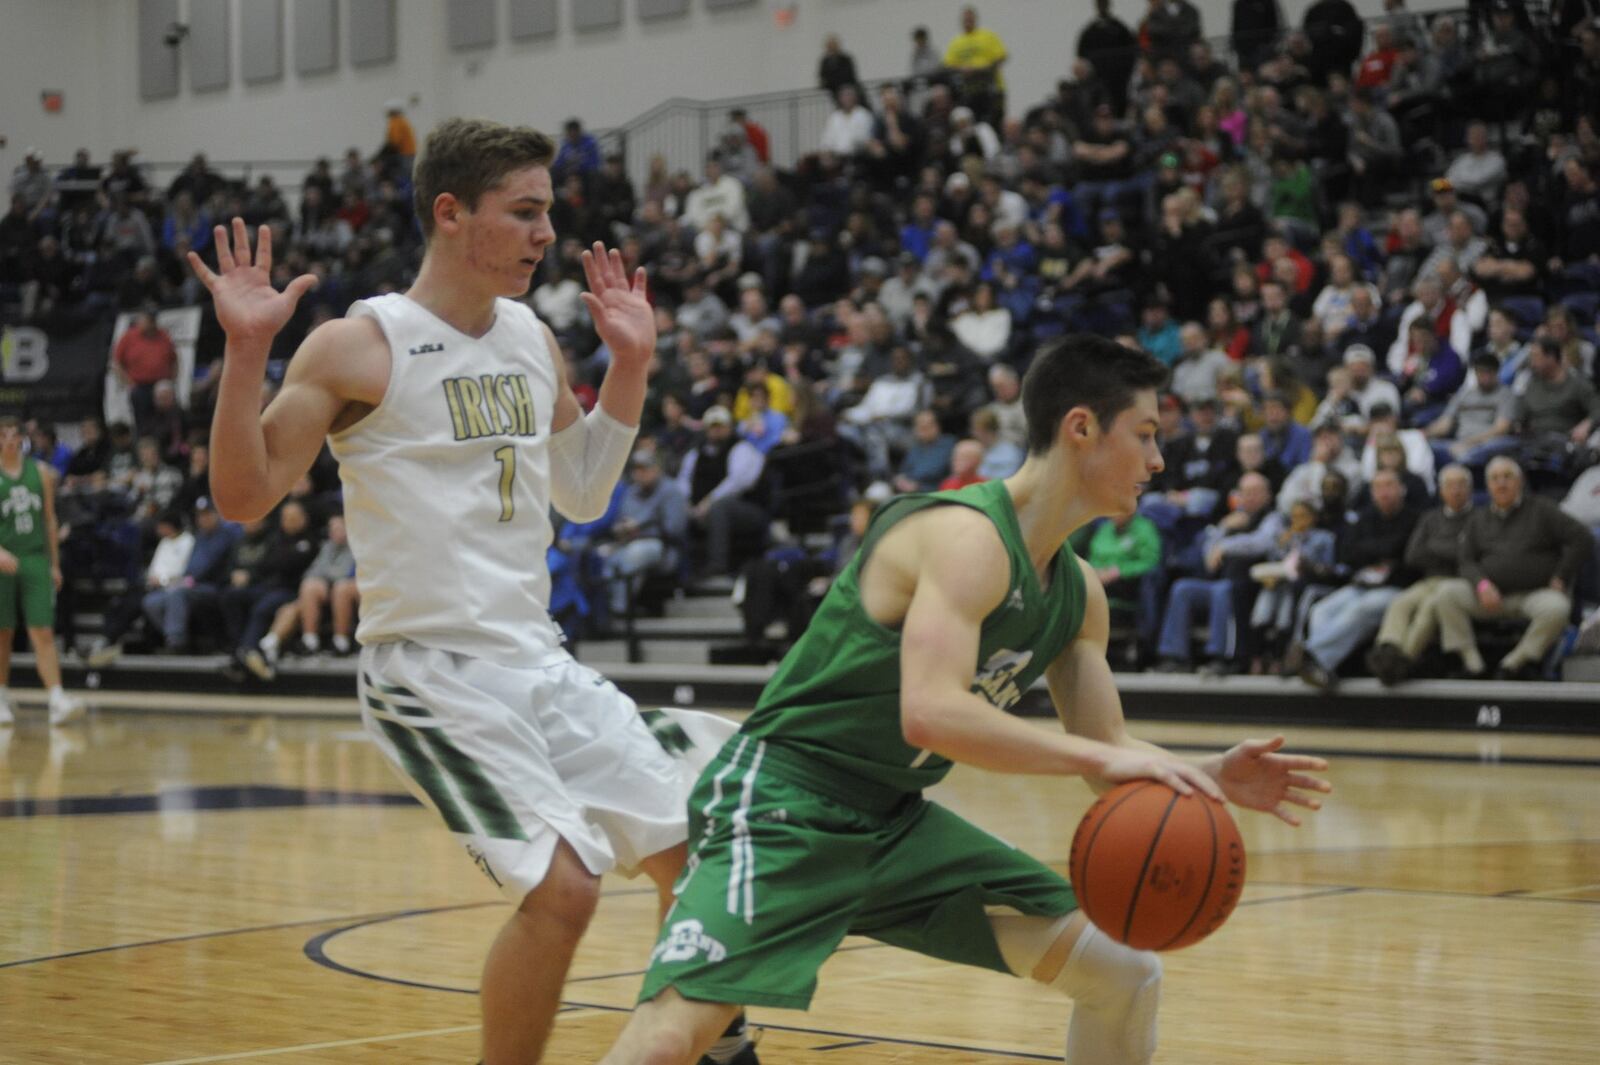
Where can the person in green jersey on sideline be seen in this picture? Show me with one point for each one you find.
(30, 569)
(810, 824)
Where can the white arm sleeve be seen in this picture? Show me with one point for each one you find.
(586, 458)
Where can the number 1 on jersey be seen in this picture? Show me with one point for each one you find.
(507, 458)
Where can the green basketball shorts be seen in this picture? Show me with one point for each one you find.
(38, 594)
(781, 869)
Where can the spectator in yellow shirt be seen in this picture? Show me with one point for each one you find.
(977, 55)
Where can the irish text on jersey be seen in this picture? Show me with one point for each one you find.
(490, 405)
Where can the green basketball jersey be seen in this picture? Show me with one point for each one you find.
(22, 511)
(835, 698)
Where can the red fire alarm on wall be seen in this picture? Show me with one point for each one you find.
(51, 99)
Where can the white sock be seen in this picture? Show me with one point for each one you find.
(730, 1043)
(57, 692)
(1115, 991)
(310, 642)
(269, 645)
(341, 643)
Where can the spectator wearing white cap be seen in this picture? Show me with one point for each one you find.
(717, 476)
(969, 136)
(1366, 388)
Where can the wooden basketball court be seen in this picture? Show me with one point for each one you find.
(183, 888)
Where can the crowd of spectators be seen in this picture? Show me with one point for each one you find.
(1370, 252)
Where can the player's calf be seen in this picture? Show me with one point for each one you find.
(670, 1030)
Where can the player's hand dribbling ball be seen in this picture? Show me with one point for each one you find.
(1156, 870)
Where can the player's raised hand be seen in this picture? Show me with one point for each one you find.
(1254, 775)
(618, 304)
(248, 307)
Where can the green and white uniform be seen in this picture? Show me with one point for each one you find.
(810, 823)
(23, 533)
(463, 682)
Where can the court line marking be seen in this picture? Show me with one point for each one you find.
(287, 924)
(238, 932)
(1581, 840)
(273, 1051)
(1551, 892)
(1438, 893)
(994, 1051)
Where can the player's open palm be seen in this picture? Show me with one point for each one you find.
(248, 307)
(621, 310)
(1254, 775)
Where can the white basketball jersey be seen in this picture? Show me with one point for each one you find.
(447, 486)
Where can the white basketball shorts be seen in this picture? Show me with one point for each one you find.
(515, 759)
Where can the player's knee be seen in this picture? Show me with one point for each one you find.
(1102, 971)
(568, 896)
(663, 1046)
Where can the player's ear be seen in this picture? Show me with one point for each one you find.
(447, 212)
(1078, 426)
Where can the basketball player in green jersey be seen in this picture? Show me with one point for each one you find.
(810, 823)
(30, 564)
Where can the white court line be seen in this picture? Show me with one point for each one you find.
(322, 1046)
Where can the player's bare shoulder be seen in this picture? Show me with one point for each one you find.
(349, 359)
(955, 545)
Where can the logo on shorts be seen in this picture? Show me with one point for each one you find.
(684, 941)
(481, 860)
(667, 732)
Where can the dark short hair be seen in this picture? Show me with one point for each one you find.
(467, 157)
(1082, 370)
(1484, 361)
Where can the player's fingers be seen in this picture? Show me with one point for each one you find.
(224, 250)
(1302, 761)
(602, 266)
(241, 242)
(619, 271)
(1300, 780)
(264, 248)
(641, 283)
(1202, 780)
(300, 286)
(1287, 817)
(591, 272)
(1264, 746)
(1175, 781)
(597, 308)
(1309, 802)
(201, 270)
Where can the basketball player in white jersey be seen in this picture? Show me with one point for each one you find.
(455, 430)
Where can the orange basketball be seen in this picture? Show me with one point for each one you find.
(1154, 869)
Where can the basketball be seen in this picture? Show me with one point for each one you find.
(1154, 869)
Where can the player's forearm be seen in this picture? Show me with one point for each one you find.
(622, 392)
(240, 463)
(964, 728)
